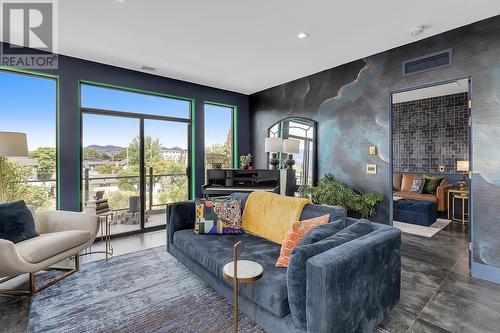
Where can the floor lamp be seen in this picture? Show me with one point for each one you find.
(12, 144)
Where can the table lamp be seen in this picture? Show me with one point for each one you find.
(273, 146)
(12, 144)
(290, 146)
(463, 166)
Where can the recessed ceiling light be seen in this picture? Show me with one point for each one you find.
(120, 1)
(303, 35)
(416, 30)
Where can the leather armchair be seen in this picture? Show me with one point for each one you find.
(62, 235)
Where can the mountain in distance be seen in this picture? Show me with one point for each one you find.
(108, 149)
(173, 148)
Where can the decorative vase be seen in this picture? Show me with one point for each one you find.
(289, 161)
(274, 161)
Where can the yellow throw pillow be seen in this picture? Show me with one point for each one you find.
(270, 216)
(294, 237)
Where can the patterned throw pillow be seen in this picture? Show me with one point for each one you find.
(418, 185)
(294, 236)
(218, 217)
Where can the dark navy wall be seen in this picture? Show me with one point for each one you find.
(351, 104)
(71, 70)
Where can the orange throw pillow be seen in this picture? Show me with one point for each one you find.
(294, 236)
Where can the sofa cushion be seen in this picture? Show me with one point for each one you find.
(214, 251)
(431, 183)
(241, 196)
(418, 185)
(48, 245)
(270, 215)
(323, 231)
(407, 181)
(218, 217)
(309, 211)
(396, 181)
(295, 235)
(416, 196)
(16, 222)
(296, 274)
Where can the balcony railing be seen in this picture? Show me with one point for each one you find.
(161, 189)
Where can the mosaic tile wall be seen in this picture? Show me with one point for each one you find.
(429, 133)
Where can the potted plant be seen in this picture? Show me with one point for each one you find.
(245, 161)
(332, 192)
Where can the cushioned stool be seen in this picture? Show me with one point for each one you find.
(415, 212)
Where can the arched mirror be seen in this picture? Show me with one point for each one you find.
(302, 130)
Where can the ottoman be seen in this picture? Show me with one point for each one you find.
(415, 212)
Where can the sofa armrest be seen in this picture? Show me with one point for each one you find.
(59, 220)
(441, 196)
(351, 287)
(10, 262)
(180, 216)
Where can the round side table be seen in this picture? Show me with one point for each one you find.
(244, 271)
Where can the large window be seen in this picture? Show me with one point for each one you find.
(303, 130)
(135, 154)
(29, 105)
(219, 136)
(130, 102)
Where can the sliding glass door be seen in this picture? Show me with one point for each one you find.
(135, 155)
(110, 166)
(166, 162)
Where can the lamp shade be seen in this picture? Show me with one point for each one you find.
(463, 166)
(291, 146)
(13, 144)
(273, 145)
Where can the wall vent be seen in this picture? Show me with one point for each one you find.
(427, 63)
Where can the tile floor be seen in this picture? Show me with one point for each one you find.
(437, 293)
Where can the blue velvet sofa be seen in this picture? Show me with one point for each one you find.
(345, 282)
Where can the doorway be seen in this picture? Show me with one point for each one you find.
(136, 162)
(430, 162)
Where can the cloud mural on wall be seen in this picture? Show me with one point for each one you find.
(351, 105)
(350, 119)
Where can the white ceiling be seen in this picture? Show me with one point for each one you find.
(248, 46)
(455, 87)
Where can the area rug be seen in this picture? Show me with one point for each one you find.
(421, 230)
(146, 291)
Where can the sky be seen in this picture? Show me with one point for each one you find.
(29, 106)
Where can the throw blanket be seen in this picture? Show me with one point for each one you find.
(270, 215)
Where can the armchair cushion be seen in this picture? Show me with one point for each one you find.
(48, 245)
(16, 222)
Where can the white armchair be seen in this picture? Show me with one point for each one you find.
(62, 235)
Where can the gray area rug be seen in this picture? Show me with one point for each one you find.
(146, 291)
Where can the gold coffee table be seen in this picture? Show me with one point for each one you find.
(244, 271)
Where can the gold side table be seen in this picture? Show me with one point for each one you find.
(458, 194)
(244, 271)
(104, 219)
